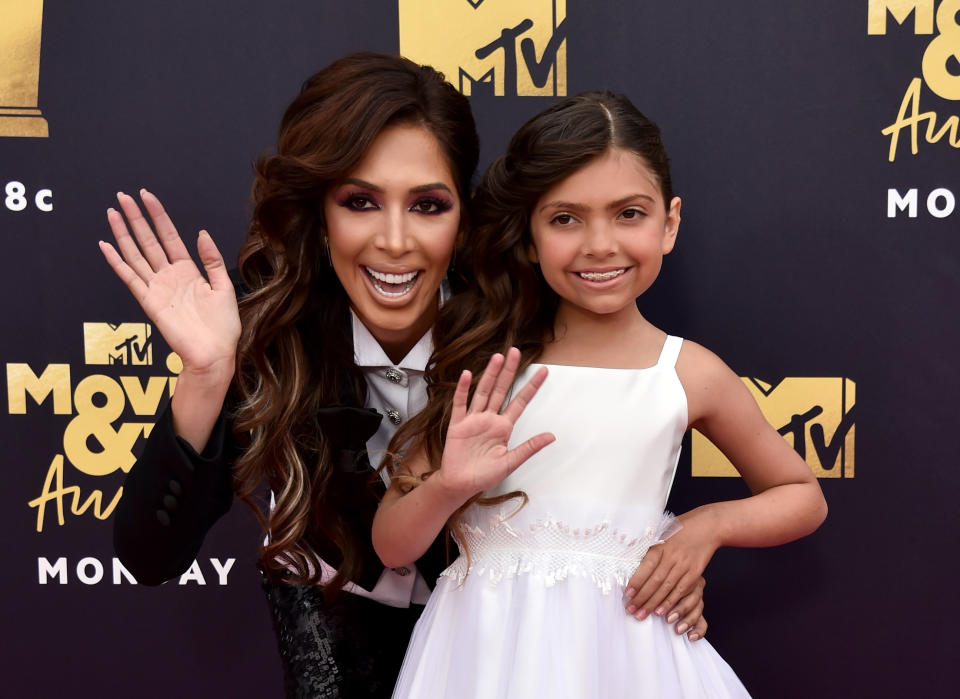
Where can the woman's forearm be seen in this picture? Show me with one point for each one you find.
(197, 401)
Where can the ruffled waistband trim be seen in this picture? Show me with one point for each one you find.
(552, 549)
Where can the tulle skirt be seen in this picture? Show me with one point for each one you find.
(524, 636)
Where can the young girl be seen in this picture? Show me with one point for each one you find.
(573, 223)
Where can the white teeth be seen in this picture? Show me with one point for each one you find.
(391, 278)
(601, 276)
(408, 278)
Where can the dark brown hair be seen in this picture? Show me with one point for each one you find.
(509, 303)
(295, 354)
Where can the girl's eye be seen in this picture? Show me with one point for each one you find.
(562, 219)
(430, 206)
(632, 214)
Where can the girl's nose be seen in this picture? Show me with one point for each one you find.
(599, 240)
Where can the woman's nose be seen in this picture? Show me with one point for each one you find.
(394, 237)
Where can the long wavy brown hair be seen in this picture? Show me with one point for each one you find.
(295, 354)
(508, 303)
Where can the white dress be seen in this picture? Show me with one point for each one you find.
(539, 610)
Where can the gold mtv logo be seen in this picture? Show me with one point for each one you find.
(126, 343)
(814, 414)
(21, 22)
(494, 47)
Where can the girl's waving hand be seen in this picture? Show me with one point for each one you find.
(475, 458)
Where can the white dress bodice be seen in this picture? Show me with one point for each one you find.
(597, 494)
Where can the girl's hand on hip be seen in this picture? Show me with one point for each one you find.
(687, 615)
(669, 583)
(196, 315)
(475, 454)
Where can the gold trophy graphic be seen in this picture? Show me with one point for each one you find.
(21, 23)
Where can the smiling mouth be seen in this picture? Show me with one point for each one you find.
(602, 276)
(392, 285)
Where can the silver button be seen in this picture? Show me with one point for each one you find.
(402, 570)
(394, 416)
(394, 375)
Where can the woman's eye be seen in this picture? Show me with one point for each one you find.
(360, 203)
(357, 202)
(562, 219)
(430, 206)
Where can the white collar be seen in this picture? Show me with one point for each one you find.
(367, 352)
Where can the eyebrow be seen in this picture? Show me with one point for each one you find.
(429, 187)
(581, 207)
(413, 190)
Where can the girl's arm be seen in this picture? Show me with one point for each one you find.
(475, 458)
(786, 504)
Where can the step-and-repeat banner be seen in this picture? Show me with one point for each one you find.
(817, 149)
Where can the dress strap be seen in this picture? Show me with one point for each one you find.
(670, 351)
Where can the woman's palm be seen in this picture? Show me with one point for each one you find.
(198, 318)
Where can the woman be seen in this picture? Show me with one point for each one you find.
(355, 220)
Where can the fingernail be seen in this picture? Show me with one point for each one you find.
(682, 627)
(694, 636)
(142, 191)
(630, 592)
(110, 209)
(659, 611)
(119, 194)
(673, 617)
(638, 616)
(631, 609)
(642, 614)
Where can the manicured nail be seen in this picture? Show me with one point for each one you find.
(694, 636)
(631, 609)
(642, 614)
(683, 627)
(630, 592)
(659, 611)
(673, 617)
(638, 616)
(142, 191)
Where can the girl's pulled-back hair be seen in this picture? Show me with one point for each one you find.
(509, 303)
(295, 354)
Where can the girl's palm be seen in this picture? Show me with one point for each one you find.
(475, 454)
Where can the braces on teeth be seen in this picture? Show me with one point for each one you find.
(601, 276)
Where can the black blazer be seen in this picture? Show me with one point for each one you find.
(173, 496)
